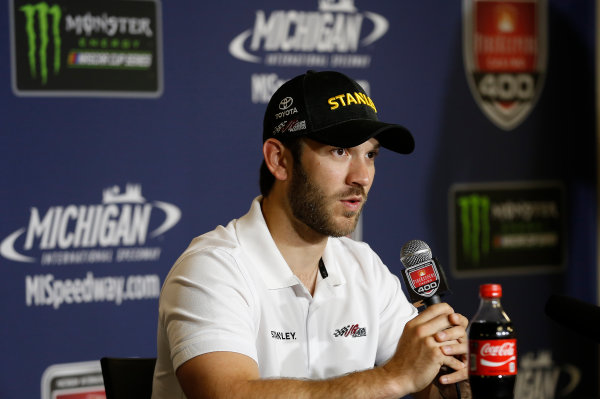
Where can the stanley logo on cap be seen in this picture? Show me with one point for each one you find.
(348, 99)
(332, 109)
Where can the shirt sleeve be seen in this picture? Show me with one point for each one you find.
(207, 305)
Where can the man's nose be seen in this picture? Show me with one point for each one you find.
(360, 172)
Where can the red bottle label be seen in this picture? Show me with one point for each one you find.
(493, 357)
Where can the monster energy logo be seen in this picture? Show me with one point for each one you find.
(44, 29)
(474, 219)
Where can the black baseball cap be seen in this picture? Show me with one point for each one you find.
(332, 109)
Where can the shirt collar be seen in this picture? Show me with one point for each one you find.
(260, 248)
(335, 276)
(258, 245)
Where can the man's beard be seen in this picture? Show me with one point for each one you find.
(309, 205)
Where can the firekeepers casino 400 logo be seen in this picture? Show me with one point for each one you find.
(114, 231)
(504, 49)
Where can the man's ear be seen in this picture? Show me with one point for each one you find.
(277, 158)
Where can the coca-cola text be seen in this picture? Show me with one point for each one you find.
(506, 349)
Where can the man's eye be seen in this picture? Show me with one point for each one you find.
(372, 154)
(339, 151)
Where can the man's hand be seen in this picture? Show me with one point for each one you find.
(455, 347)
(435, 338)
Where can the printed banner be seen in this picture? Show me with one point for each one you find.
(504, 49)
(507, 228)
(81, 380)
(102, 194)
(86, 48)
(124, 228)
(336, 35)
(327, 35)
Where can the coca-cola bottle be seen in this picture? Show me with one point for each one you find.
(492, 348)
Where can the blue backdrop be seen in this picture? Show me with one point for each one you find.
(100, 194)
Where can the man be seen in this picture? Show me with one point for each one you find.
(279, 303)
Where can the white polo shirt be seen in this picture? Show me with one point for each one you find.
(232, 290)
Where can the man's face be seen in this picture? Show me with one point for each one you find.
(329, 186)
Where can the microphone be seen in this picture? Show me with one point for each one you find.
(576, 315)
(423, 275)
(424, 279)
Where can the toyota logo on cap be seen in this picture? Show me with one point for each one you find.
(286, 103)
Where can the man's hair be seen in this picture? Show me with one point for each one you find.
(266, 178)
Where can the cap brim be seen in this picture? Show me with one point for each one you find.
(355, 132)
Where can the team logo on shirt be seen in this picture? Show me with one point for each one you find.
(284, 335)
(351, 330)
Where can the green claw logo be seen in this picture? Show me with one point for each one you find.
(474, 214)
(45, 31)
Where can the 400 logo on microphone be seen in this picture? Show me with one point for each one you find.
(423, 277)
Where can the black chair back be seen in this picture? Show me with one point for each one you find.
(128, 378)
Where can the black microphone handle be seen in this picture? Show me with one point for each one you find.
(432, 301)
(444, 369)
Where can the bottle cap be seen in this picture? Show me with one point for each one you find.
(490, 291)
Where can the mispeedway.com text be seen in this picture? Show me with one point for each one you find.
(45, 290)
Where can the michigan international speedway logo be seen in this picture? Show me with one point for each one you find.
(505, 55)
(499, 227)
(120, 229)
(69, 47)
(335, 35)
(328, 37)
